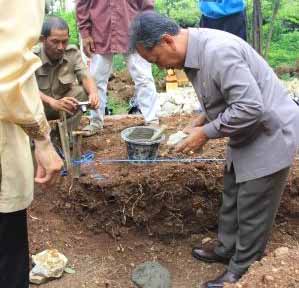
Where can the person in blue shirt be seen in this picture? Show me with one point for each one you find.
(226, 15)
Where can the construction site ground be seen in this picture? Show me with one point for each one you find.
(117, 216)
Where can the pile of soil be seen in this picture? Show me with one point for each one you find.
(138, 205)
(166, 200)
(121, 85)
(278, 270)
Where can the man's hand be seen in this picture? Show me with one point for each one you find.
(194, 142)
(67, 104)
(88, 46)
(49, 163)
(94, 100)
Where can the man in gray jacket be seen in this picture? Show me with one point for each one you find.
(243, 100)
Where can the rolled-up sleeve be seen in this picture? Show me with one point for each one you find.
(20, 102)
(241, 93)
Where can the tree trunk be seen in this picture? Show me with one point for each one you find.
(257, 23)
(274, 14)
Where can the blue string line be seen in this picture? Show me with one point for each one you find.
(89, 157)
(86, 158)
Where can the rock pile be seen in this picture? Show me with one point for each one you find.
(293, 88)
(184, 99)
(178, 101)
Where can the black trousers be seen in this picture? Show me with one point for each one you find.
(14, 251)
(235, 24)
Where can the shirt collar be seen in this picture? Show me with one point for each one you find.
(192, 59)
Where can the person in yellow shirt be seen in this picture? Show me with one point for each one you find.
(21, 116)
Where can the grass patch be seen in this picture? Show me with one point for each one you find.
(118, 106)
(285, 50)
(119, 62)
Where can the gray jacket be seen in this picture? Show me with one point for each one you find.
(244, 100)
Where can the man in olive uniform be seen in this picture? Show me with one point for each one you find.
(62, 79)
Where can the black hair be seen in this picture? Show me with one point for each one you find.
(148, 27)
(53, 22)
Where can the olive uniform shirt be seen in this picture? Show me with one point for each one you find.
(21, 109)
(57, 79)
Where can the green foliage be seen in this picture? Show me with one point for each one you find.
(119, 62)
(185, 12)
(289, 13)
(285, 39)
(118, 106)
(158, 73)
(70, 18)
(285, 50)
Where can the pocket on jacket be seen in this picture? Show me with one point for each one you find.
(43, 82)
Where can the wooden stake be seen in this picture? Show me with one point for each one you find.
(65, 142)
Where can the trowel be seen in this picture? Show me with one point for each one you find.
(158, 133)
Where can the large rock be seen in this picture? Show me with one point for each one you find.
(151, 275)
(49, 263)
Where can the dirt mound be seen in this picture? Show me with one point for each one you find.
(280, 269)
(166, 199)
(121, 85)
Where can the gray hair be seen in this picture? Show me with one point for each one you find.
(148, 27)
(52, 23)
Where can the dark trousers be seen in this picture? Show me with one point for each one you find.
(246, 217)
(235, 24)
(14, 251)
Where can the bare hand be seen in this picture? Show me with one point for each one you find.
(67, 104)
(194, 142)
(88, 46)
(94, 100)
(49, 163)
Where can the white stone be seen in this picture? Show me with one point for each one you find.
(293, 88)
(49, 263)
(205, 240)
(37, 279)
(281, 251)
(170, 108)
(188, 108)
(178, 101)
(175, 138)
(268, 278)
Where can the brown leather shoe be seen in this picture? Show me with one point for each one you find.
(226, 277)
(208, 256)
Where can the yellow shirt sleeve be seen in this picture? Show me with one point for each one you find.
(20, 102)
